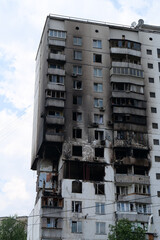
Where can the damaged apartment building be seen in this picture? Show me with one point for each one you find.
(96, 129)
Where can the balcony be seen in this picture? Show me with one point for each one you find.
(52, 102)
(55, 120)
(130, 179)
(56, 71)
(51, 136)
(58, 57)
(129, 110)
(140, 144)
(127, 71)
(119, 50)
(133, 216)
(48, 232)
(126, 65)
(56, 87)
(55, 42)
(136, 198)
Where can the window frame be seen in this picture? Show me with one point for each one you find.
(77, 41)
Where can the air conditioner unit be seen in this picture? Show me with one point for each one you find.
(110, 123)
(74, 75)
(102, 109)
(94, 124)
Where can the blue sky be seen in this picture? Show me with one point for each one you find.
(21, 25)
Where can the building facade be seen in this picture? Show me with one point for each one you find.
(96, 129)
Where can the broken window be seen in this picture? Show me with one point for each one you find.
(100, 208)
(77, 116)
(121, 169)
(140, 170)
(99, 152)
(99, 188)
(99, 135)
(140, 153)
(77, 85)
(122, 153)
(52, 202)
(77, 151)
(84, 171)
(77, 100)
(77, 206)
(77, 133)
(76, 187)
(55, 94)
(55, 113)
(50, 222)
(97, 58)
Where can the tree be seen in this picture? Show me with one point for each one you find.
(126, 230)
(12, 229)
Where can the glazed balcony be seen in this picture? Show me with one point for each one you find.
(127, 71)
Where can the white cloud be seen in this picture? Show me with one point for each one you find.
(15, 189)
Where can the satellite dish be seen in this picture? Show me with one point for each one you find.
(133, 24)
(140, 22)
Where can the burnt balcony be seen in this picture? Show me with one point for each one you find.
(56, 87)
(132, 179)
(124, 46)
(52, 136)
(142, 198)
(55, 120)
(52, 102)
(55, 201)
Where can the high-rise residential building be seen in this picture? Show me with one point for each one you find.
(96, 130)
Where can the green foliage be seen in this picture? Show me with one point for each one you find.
(126, 230)
(11, 229)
